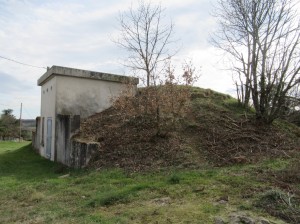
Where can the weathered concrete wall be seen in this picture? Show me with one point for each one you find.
(36, 135)
(66, 126)
(79, 92)
(68, 151)
(81, 153)
(85, 97)
(33, 141)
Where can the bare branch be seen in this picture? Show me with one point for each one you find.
(269, 31)
(146, 37)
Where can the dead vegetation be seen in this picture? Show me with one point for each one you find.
(229, 139)
(203, 126)
(285, 206)
(136, 134)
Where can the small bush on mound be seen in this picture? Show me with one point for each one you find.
(280, 204)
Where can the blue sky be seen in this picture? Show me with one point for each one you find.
(78, 34)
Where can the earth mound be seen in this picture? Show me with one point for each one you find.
(212, 129)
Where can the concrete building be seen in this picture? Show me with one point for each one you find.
(68, 95)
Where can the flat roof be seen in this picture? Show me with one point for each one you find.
(79, 73)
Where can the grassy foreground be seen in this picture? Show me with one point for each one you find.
(34, 190)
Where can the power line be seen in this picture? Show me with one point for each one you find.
(26, 111)
(21, 63)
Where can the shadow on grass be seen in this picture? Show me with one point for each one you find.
(25, 164)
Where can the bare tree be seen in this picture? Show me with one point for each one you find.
(263, 39)
(147, 38)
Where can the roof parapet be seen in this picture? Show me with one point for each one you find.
(79, 73)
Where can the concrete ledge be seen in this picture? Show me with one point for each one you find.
(72, 72)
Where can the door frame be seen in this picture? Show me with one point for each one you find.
(49, 137)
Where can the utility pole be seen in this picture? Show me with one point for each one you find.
(20, 123)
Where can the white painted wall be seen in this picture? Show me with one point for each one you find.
(84, 97)
(48, 104)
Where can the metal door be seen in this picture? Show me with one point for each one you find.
(49, 137)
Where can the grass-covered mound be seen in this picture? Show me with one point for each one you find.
(205, 127)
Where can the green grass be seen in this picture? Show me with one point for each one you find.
(31, 191)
